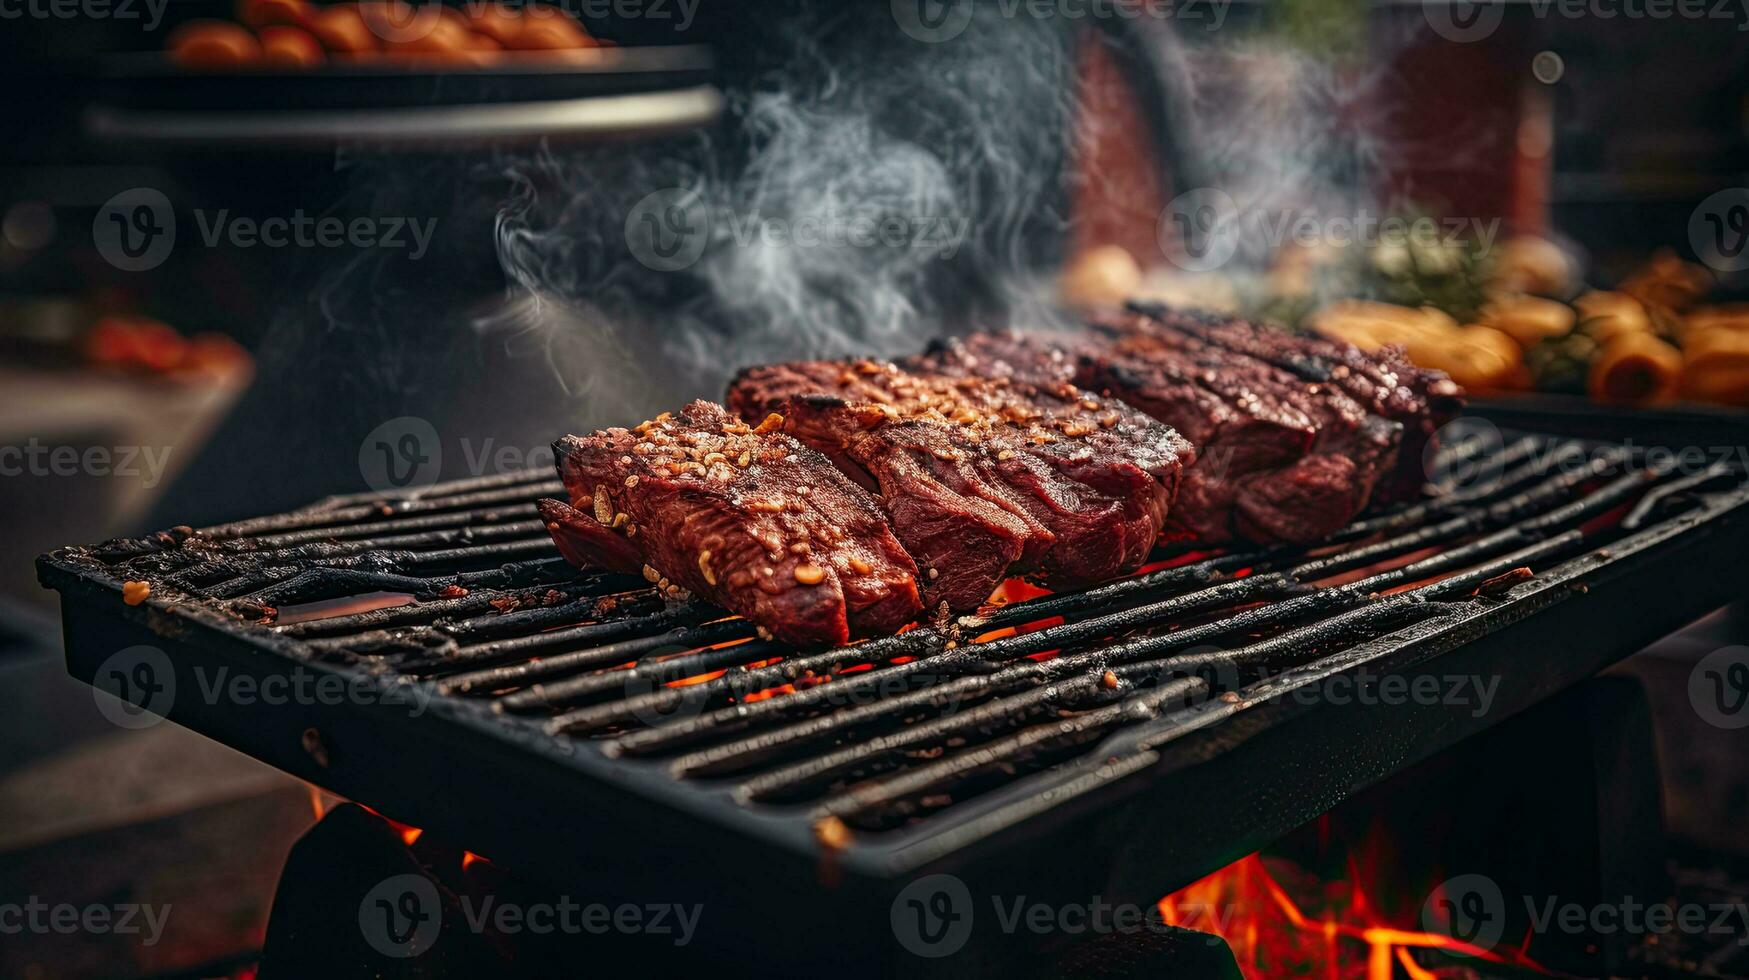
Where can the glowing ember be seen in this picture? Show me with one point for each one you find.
(1271, 936)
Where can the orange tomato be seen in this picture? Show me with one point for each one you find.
(290, 47)
(498, 22)
(342, 31)
(213, 44)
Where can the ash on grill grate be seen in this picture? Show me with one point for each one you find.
(883, 732)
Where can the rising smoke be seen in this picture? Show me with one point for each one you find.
(957, 151)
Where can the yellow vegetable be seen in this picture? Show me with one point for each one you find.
(1705, 319)
(1668, 282)
(1636, 369)
(1368, 324)
(1474, 356)
(1530, 264)
(1606, 316)
(1716, 366)
(1103, 276)
(1528, 319)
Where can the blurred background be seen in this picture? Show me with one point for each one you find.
(248, 252)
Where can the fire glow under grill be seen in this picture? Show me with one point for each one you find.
(584, 701)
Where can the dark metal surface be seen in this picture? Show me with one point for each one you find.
(578, 727)
(598, 93)
(152, 81)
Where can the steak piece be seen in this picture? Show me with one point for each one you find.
(1421, 400)
(1278, 459)
(1004, 355)
(984, 478)
(746, 517)
(1354, 449)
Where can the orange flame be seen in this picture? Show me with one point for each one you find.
(1271, 936)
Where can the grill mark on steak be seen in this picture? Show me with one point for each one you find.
(1420, 399)
(1316, 494)
(748, 518)
(984, 478)
(1279, 459)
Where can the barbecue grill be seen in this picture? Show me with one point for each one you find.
(1118, 741)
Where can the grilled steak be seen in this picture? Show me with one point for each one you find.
(1315, 495)
(746, 517)
(984, 478)
(1004, 355)
(1421, 400)
(1278, 458)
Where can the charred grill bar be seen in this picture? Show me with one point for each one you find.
(1119, 740)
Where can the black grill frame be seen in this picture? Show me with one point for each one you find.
(1131, 822)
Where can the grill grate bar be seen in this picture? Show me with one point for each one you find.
(304, 520)
(1124, 660)
(1176, 690)
(679, 640)
(1268, 586)
(932, 732)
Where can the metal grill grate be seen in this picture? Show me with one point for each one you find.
(948, 731)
